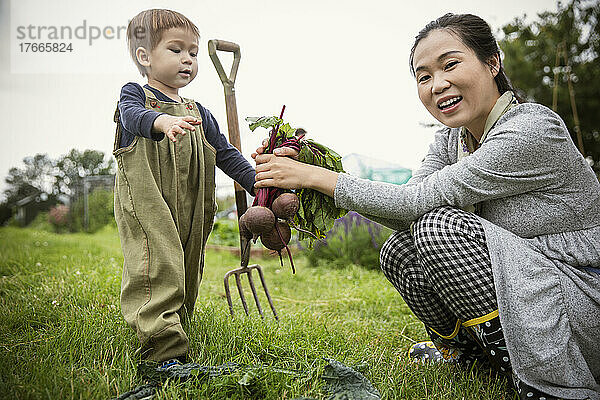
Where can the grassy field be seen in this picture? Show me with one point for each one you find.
(62, 335)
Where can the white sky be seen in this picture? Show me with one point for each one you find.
(340, 67)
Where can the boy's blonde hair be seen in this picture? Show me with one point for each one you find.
(146, 29)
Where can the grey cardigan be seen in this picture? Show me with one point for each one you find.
(539, 203)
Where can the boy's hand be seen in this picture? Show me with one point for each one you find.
(173, 126)
(280, 151)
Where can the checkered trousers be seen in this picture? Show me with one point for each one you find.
(442, 269)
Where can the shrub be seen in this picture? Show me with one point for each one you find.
(5, 213)
(353, 239)
(58, 216)
(100, 209)
(225, 232)
(41, 223)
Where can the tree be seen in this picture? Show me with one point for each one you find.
(530, 53)
(33, 178)
(32, 181)
(42, 175)
(72, 167)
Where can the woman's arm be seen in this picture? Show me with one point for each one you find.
(525, 154)
(521, 156)
(299, 176)
(322, 179)
(325, 180)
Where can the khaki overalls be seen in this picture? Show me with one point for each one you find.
(164, 208)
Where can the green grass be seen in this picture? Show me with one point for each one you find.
(62, 335)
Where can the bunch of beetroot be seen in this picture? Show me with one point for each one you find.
(275, 210)
(271, 223)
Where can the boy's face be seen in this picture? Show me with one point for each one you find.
(173, 61)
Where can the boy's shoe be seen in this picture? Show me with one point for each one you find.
(153, 372)
(159, 372)
(144, 392)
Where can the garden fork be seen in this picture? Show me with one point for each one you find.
(244, 269)
(240, 195)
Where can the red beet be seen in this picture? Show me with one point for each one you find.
(285, 206)
(258, 220)
(244, 231)
(271, 240)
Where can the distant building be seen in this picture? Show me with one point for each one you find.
(375, 169)
(28, 207)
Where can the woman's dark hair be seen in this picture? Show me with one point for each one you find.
(476, 34)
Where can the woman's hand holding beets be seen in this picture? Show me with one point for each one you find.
(279, 170)
(264, 170)
(282, 172)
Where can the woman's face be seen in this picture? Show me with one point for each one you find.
(454, 86)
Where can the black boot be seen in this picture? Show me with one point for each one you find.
(490, 336)
(527, 392)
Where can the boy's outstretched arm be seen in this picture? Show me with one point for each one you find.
(136, 119)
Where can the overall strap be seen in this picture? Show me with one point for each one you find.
(149, 93)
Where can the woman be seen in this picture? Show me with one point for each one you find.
(497, 240)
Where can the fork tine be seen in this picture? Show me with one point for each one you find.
(262, 280)
(238, 283)
(228, 292)
(251, 281)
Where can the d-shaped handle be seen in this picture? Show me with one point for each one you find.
(223, 45)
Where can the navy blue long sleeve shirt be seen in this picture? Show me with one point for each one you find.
(137, 120)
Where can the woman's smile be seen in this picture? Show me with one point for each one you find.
(449, 104)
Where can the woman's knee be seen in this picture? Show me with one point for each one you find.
(390, 255)
(398, 261)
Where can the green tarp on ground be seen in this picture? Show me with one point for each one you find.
(341, 382)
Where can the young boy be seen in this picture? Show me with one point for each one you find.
(165, 187)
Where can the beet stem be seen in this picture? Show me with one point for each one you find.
(291, 260)
(287, 248)
(273, 136)
(302, 230)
